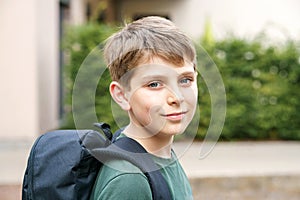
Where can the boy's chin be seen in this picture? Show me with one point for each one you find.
(173, 130)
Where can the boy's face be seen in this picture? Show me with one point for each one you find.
(162, 97)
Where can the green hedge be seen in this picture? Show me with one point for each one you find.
(262, 85)
(81, 45)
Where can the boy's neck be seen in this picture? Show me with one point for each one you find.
(158, 145)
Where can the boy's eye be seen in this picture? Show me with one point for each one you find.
(155, 84)
(186, 81)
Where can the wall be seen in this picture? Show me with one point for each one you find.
(245, 18)
(280, 18)
(29, 68)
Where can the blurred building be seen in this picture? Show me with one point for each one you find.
(30, 56)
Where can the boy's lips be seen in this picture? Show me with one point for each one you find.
(175, 116)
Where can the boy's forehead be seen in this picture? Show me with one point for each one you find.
(158, 66)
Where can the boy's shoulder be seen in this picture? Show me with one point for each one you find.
(120, 167)
(119, 179)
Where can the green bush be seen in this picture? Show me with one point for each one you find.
(84, 66)
(262, 85)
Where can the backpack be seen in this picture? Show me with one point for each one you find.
(63, 164)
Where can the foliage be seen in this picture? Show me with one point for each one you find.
(90, 98)
(262, 85)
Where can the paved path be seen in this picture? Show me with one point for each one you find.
(244, 170)
(13, 158)
(242, 159)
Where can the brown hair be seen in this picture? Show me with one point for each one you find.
(144, 39)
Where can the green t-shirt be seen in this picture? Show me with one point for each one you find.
(122, 180)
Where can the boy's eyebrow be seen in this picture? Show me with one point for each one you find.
(188, 73)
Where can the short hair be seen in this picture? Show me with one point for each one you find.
(144, 39)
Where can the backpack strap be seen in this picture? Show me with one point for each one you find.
(143, 160)
(128, 149)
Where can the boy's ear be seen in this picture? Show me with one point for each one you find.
(118, 94)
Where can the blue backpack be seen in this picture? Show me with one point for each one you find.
(63, 164)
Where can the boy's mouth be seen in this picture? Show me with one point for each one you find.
(175, 116)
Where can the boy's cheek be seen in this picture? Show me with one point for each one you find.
(195, 90)
(191, 93)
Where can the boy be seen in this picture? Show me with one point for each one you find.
(152, 65)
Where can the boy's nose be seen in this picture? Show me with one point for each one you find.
(175, 97)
